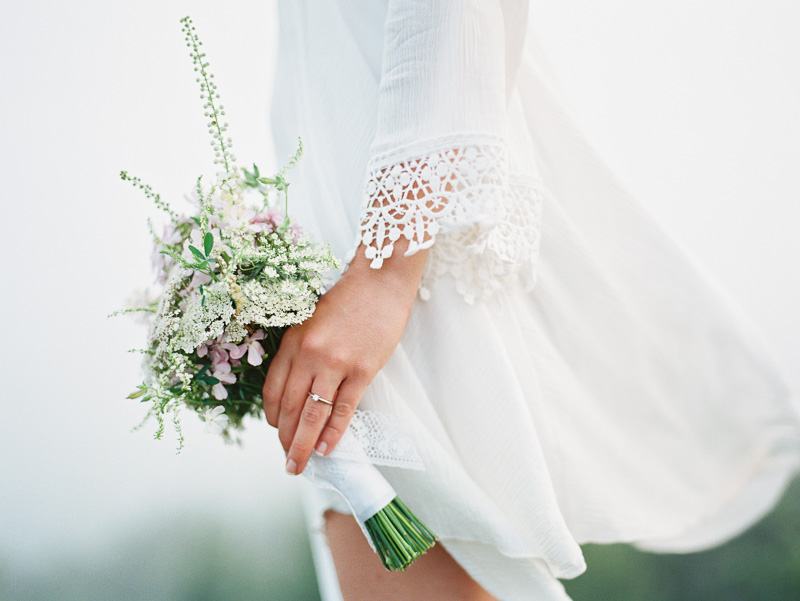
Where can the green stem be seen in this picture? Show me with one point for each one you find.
(398, 535)
(210, 97)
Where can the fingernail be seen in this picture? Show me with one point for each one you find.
(322, 447)
(291, 466)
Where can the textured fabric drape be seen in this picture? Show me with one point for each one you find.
(568, 374)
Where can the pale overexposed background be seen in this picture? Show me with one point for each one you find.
(693, 104)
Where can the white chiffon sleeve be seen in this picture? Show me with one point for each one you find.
(439, 159)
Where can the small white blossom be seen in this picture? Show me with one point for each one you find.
(216, 420)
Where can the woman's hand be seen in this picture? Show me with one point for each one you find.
(337, 352)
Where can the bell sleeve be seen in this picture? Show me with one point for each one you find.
(438, 162)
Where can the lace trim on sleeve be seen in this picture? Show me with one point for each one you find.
(440, 190)
(481, 262)
(459, 193)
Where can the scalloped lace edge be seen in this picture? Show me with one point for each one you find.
(458, 193)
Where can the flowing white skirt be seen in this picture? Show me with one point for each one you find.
(624, 398)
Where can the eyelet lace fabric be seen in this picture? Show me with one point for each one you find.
(460, 194)
(379, 438)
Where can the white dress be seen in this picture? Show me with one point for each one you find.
(568, 374)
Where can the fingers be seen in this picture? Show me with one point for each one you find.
(293, 402)
(304, 365)
(347, 399)
(274, 385)
(310, 423)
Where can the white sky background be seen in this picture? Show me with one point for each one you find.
(693, 104)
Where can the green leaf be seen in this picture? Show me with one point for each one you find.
(197, 253)
(196, 220)
(267, 180)
(208, 243)
(136, 394)
(210, 380)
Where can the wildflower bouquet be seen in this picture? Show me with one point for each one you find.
(234, 276)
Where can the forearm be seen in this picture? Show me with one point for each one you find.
(399, 274)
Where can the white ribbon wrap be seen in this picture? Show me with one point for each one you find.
(371, 439)
(359, 482)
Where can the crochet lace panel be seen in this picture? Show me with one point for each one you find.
(479, 259)
(459, 193)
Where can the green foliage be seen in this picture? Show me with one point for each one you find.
(148, 192)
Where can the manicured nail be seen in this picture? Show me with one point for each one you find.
(291, 467)
(322, 447)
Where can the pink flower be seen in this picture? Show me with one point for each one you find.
(222, 373)
(233, 350)
(262, 219)
(252, 347)
(171, 235)
(274, 216)
(199, 279)
(296, 231)
(219, 356)
(266, 221)
(161, 264)
(218, 351)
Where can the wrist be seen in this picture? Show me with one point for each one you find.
(398, 274)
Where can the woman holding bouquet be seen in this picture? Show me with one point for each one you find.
(566, 373)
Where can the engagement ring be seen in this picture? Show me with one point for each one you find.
(316, 397)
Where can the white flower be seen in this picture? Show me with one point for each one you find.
(215, 419)
(205, 319)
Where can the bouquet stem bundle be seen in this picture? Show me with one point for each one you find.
(399, 536)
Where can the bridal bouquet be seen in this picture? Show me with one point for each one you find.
(234, 276)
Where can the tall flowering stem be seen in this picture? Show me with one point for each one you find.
(208, 92)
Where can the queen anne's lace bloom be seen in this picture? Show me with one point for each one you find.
(276, 303)
(205, 321)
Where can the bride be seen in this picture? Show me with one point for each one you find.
(566, 372)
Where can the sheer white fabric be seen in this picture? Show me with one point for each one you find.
(568, 373)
